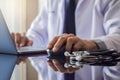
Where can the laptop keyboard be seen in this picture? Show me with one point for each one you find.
(28, 48)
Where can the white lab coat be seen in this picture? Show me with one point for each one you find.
(95, 19)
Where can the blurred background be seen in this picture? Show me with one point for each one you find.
(18, 15)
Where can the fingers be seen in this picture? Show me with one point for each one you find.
(69, 44)
(74, 43)
(25, 41)
(13, 36)
(50, 63)
(17, 39)
(56, 66)
(30, 42)
(58, 41)
(61, 40)
(51, 43)
(21, 40)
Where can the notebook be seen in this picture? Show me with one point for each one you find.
(9, 53)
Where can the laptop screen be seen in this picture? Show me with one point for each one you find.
(6, 42)
(7, 62)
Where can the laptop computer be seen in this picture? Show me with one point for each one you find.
(9, 53)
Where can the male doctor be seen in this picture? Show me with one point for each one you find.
(97, 27)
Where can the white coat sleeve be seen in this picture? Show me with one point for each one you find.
(38, 34)
(111, 25)
(38, 30)
(112, 39)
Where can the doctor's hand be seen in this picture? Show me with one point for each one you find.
(21, 40)
(73, 43)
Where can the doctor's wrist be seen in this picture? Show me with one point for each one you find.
(100, 44)
(90, 45)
